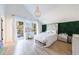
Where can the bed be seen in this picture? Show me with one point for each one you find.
(47, 38)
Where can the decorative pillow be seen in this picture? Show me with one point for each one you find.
(51, 31)
(62, 37)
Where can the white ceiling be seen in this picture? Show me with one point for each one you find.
(52, 13)
(17, 10)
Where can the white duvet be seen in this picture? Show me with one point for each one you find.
(46, 37)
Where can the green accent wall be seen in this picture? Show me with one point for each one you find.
(44, 28)
(69, 27)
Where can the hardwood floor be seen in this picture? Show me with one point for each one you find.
(57, 48)
(61, 48)
(29, 48)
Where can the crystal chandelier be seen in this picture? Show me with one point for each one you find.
(37, 11)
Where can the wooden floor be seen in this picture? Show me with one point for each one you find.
(58, 48)
(61, 48)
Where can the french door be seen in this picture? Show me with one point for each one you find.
(25, 30)
(19, 30)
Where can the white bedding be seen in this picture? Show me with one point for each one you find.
(46, 37)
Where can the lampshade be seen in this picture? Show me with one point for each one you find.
(37, 11)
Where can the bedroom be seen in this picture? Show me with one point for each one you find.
(18, 33)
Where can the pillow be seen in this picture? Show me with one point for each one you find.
(51, 31)
(64, 35)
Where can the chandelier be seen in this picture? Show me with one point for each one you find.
(37, 11)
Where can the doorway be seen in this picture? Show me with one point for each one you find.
(1, 29)
(30, 29)
(1, 33)
(20, 30)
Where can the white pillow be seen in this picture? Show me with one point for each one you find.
(64, 35)
(52, 31)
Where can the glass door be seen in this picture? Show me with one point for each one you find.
(20, 29)
(25, 29)
(30, 30)
(34, 29)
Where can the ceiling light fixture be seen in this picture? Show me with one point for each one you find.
(37, 11)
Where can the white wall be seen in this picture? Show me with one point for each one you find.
(52, 26)
(8, 30)
(39, 27)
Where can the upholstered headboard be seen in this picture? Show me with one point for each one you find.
(69, 27)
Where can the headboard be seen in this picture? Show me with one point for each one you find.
(69, 27)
